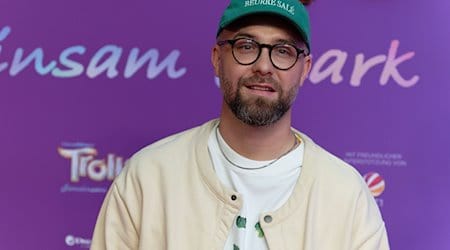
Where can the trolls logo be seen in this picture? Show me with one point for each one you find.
(83, 164)
(375, 182)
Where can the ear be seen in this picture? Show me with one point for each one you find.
(307, 64)
(215, 58)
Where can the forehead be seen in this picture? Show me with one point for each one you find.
(266, 27)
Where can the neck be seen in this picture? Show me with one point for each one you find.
(256, 143)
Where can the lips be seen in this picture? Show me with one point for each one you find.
(261, 87)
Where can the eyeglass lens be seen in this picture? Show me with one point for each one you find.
(247, 51)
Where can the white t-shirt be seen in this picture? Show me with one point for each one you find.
(262, 190)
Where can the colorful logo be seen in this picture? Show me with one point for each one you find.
(85, 164)
(375, 183)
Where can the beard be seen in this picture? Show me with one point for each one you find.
(257, 111)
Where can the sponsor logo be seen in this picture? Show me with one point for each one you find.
(72, 241)
(375, 183)
(85, 165)
(376, 159)
(376, 186)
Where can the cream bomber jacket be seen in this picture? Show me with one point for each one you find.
(168, 197)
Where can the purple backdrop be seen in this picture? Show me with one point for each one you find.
(83, 85)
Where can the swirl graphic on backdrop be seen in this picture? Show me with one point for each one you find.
(375, 183)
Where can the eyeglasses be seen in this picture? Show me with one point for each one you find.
(246, 51)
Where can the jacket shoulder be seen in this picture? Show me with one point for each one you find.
(167, 153)
(329, 169)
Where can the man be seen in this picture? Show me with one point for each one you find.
(246, 180)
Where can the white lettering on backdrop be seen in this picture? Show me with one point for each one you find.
(104, 61)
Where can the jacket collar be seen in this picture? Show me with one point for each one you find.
(224, 194)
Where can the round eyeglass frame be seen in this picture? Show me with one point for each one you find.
(270, 47)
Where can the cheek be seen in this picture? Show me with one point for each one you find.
(297, 77)
(231, 74)
(293, 79)
(228, 81)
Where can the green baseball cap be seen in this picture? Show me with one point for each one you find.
(292, 10)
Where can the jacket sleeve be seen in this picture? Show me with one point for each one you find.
(114, 229)
(369, 231)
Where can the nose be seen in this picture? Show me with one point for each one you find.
(263, 64)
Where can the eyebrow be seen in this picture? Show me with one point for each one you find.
(244, 35)
(247, 35)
